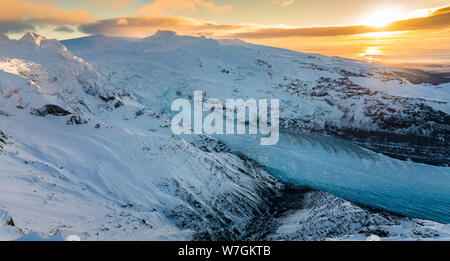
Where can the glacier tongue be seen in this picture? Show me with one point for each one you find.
(354, 173)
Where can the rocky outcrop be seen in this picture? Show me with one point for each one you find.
(415, 76)
(3, 139)
(76, 120)
(50, 109)
(8, 230)
(322, 216)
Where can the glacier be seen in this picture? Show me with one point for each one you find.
(353, 173)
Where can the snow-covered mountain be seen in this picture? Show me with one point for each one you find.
(86, 147)
(402, 113)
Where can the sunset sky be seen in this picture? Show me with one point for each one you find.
(394, 31)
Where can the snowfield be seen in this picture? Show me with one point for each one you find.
(86, 147)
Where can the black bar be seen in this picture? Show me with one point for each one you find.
(247, 250)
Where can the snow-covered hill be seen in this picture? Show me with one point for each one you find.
(86, 147)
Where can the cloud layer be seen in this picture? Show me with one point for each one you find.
(145, 26)
(438, 19)
(110, 4)
(20, 15)
(177, 6)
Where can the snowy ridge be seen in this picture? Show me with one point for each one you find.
(47, 68)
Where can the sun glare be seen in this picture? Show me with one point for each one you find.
(383, 17)
(373, 51)
(372, 54)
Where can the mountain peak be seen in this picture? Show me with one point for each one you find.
(33, 38)
(164, 33)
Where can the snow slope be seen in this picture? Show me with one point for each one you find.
(115, 171)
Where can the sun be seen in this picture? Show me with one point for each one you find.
(383, 17)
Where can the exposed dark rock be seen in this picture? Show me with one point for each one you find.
(5, 218)
(76, 120)
(433, 150)
(118, 104)
(265, 66)
(10, 222)
(106, 96)
(3, 139)
(209, 144)
(351, 74)
(415, 76)
(287, 201)
(50, 109)
(139, 112)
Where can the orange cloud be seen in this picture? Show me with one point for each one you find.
(305, 31)
(177, 6)
(438, 19)
(21, 15)
(145, 26)
(442, 10)
(288, 2)
(283, 3)
(111, 4)
(29, 11)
